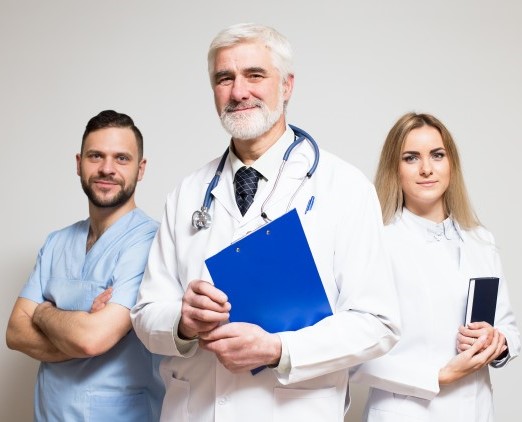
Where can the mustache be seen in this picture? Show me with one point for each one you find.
(109, 179)
(234, 105)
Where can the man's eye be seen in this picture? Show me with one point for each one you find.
(224, 81)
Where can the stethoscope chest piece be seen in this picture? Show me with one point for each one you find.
(201, 219)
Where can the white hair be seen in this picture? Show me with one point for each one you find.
(282, 55)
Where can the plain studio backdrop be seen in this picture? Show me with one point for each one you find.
(358, 65)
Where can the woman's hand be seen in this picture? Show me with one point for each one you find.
(474, 358)
(469, 334)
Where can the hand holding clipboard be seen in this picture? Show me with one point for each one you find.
(271, 279)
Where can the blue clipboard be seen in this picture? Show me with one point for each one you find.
(270, 277)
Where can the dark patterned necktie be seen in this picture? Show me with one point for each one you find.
(246, 179)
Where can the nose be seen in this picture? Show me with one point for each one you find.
(240, 91)
(426, 169)
(106, 167)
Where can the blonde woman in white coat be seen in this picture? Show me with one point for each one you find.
(439, 370)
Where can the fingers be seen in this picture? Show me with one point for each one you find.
(242, 346)
(490, 353)
(472, 346)
(223, 331)
(105, 295)
(476, 356)
(501, 346)
(203, 288)
(101, 300)
(475, 329)
(467, 335)
(203, 308)
(203, 295)
(477, 345)
(466, 342)
(204, 302)
(478, 325)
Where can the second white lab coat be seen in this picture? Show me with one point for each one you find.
(432, 294)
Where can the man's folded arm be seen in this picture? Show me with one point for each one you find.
(23, 335)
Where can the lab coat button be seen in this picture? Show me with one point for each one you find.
(222, 400)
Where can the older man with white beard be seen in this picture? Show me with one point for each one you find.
(182, 315)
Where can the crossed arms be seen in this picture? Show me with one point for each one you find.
(49, 334)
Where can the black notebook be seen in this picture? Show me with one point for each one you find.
(482, 300)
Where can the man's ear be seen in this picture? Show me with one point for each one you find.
(141, 168)
(78, 161)
(288, 87)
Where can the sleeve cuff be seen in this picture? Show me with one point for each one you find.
(186, 347)
(284, 365)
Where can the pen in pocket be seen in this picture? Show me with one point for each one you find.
(310, 204)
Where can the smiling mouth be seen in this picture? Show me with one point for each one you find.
(105, 184)
(243, 109)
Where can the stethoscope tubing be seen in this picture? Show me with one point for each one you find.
(201, 219)
(214, 182)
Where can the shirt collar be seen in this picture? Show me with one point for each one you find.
(268, 164)
(431, 231)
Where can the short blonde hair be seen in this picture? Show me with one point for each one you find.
(387, 181)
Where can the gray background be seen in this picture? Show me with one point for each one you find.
(359, 66)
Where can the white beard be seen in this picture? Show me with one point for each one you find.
(252, 123)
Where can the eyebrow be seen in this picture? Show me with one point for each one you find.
(255, 69)
(92, 151)
(115, 153)
(431, 152)
(248, 70)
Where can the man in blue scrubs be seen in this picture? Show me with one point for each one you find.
(73, 312)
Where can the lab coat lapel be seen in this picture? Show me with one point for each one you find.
(473, 261)
(294, 171)
(224, 193)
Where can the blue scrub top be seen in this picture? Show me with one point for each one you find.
(122, 384)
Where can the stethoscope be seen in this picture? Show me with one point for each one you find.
(201, 219)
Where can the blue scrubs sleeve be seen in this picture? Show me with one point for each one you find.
(129, 272)
(33, 289)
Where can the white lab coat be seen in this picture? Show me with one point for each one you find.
(345, 236)
(432, 295)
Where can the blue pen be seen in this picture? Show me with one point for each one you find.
(310, 204)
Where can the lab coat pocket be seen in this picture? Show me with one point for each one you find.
(307, 405)
(391, 407)
(377, 415)
(175, 403)
(118, 407)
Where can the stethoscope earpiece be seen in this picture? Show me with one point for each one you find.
(201, 219)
